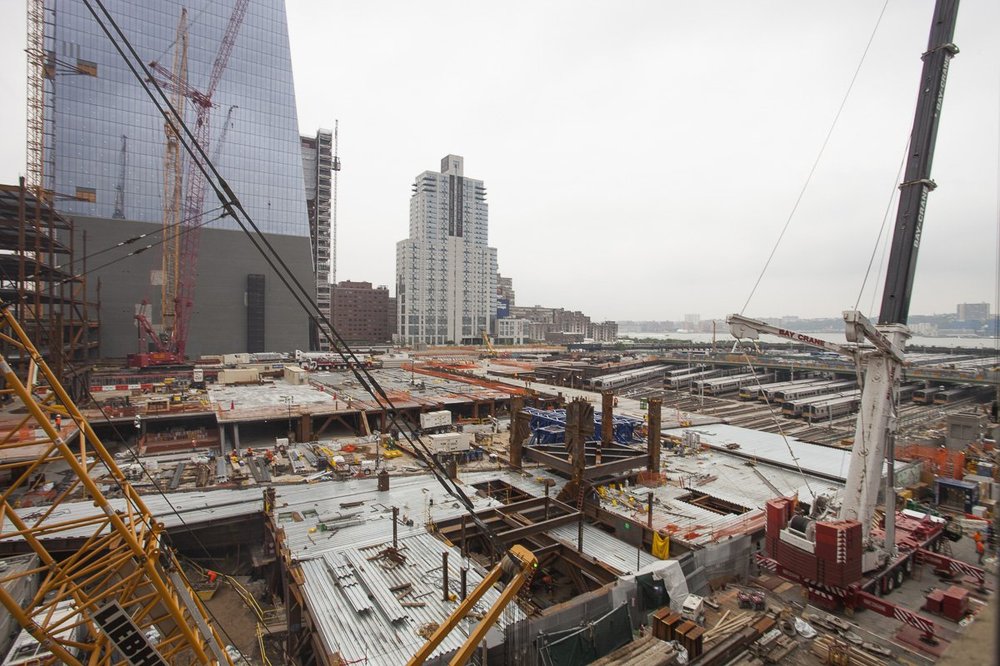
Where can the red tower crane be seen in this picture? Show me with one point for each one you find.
(171, 346)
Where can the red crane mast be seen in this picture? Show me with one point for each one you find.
(194, 196)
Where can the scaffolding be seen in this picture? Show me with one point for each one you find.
(47, 286)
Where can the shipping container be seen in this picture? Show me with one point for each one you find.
(438, 419)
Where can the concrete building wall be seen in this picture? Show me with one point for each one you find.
(219, 320)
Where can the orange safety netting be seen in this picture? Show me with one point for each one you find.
(942, 461)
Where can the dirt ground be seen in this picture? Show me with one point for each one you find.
(235, 623)
(978, 644)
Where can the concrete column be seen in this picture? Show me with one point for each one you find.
(305, 428)
(655, 406)
(236, 437)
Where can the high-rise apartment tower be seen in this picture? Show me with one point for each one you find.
(446, 274)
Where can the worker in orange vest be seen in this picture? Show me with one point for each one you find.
(980, 549)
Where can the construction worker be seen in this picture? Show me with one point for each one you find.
(980, 549)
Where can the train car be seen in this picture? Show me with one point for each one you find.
(925, 396)
(730, 384)
(796, 408)
(950, 396)
(818, 388)
(767, 392)
(684, 370)
(619, 380)
(906, 392)
(831, 409)
(753, 391)
(683, 381)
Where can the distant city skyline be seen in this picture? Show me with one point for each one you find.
(631, 186)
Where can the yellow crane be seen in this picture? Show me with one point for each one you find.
(173, 181)
(517, 566)
(123, 592)
(490, 349)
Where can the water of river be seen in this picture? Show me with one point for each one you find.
(726, 340)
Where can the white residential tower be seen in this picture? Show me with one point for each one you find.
(446, 275)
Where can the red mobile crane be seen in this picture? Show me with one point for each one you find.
(181, 255)
(848, 562)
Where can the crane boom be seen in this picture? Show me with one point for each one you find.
(121, 594)
(173, 177)
(875, 432)
(194, 199)
(181, 252)
(745, 327)
(519, 564)
(874, 429)
(917, 183)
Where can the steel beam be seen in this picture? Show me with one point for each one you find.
(537, 528)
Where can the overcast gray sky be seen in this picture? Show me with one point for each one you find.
(641, 158)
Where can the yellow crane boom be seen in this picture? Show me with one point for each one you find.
(518, 565)
(124, 589)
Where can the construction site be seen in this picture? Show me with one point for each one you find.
(171, 497)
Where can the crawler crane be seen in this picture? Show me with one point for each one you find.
(846, 561)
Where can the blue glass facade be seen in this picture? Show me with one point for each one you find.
(94, 101)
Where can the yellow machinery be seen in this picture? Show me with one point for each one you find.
(490, 349)
(126, 591)
(517, 566)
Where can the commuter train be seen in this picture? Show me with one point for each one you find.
(818, 388)
(627, 378)
(830, 409)
(796, 408)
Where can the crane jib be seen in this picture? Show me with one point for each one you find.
(801, 337)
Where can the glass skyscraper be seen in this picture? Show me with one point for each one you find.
(104, 150)
(105, 140)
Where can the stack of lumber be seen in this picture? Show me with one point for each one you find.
(821, 648)
(645, 651)
(727, 624)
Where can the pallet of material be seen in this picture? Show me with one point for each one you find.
(645, 651)
(728, 624)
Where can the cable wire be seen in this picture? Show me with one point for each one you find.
(133, 253)
(819, 156)
(234, 208)
(885, 221)
(133, 239)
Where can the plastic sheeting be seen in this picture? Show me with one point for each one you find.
(670, 572)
